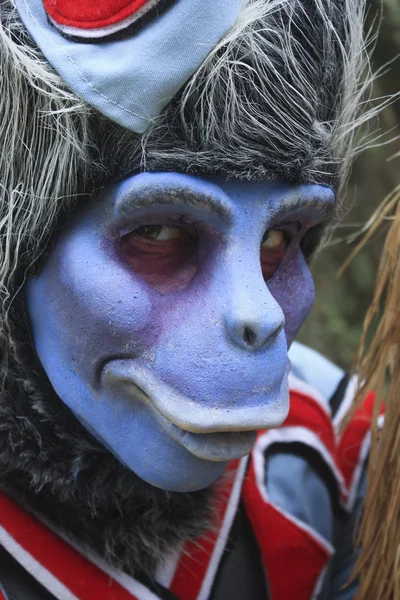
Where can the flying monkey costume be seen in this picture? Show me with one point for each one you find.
(241, 109)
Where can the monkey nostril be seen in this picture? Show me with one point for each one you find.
(249, 336)
(253, 335)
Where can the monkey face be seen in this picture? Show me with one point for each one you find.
(163, 315)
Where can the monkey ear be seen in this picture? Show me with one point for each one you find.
(88, 20)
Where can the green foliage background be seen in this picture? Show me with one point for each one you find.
(334, 324)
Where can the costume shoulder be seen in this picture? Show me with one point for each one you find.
(305, 484)
(334, 387)
(318, 386)
(313, 368)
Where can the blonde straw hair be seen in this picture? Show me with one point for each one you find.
(378, 363)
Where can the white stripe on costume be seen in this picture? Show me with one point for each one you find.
(346, 401)
(319, 584)
(35, 568)
(166, 571)
(219, 547)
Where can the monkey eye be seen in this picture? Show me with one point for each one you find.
(163, 255)
(272, 238)
(272, 250)
(160, 233)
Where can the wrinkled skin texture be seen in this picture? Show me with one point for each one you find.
(173, 353)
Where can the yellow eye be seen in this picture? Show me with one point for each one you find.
(159, 233)
(272, 238)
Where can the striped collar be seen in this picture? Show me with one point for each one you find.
(69, 574)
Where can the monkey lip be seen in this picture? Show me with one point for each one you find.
(221, 446)
(210, 433)
(218, 446)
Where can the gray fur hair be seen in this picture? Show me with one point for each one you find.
(279, 96)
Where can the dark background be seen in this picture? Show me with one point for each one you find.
(334, 324)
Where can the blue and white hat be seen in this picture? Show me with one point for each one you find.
(127, 58)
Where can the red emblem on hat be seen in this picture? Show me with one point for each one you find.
(94, 19)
